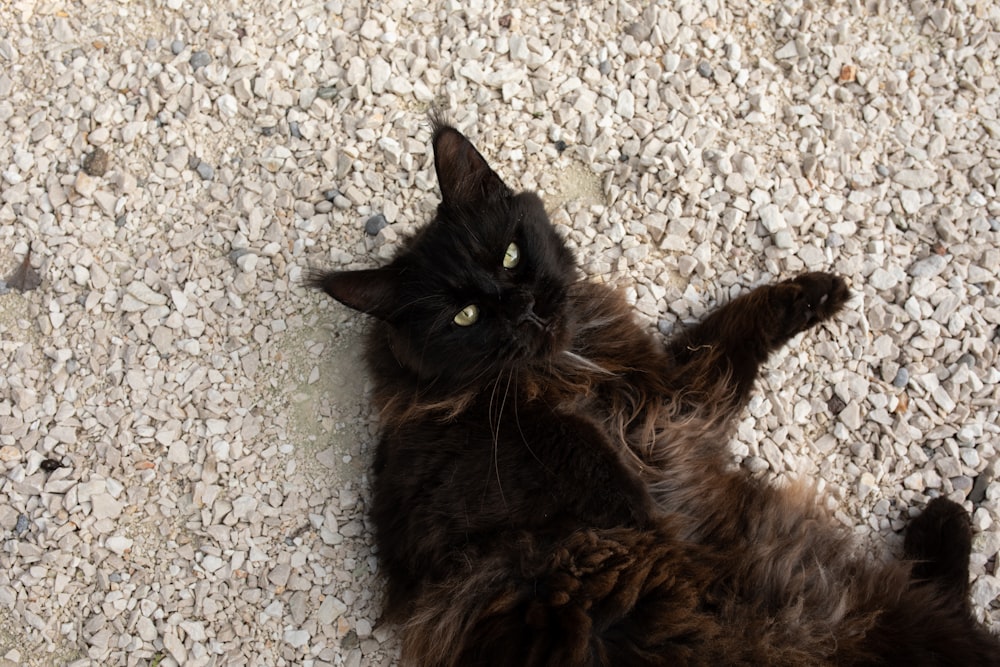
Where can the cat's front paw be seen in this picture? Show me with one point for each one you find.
(809, 299)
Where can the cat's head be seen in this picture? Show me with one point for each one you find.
(480, 290)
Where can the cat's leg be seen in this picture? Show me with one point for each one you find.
(716, 361)
(939, 543)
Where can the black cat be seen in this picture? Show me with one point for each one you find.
(553, 485)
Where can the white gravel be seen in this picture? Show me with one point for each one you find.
(211, 414)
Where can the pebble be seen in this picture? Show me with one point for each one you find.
(375, 224)
(910, 199)
(118, 544)
(915, 179)
(95, 163)
(228, 106)
(200, 59)
(84, 184)
(205, 170)
(928, 267)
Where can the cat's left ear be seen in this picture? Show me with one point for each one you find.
(371, 291)
(463, 174)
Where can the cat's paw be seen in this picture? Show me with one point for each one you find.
(939, 542)
(811, 298)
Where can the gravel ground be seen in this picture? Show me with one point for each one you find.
(184, 431)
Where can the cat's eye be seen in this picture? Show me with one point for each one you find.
(467, 315)
(512, 256)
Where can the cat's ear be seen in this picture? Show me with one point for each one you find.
(371, 291)
(463, 174)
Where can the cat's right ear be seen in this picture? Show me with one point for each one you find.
(463, 174)
(371, 291)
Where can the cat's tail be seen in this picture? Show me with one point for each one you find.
(598, 597)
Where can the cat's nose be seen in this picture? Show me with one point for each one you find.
(531, 317)
(528, 314)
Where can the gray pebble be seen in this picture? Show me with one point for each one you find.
(293, 129)
(375, 224)
(326, 92)
(902, 378)
(152, 44)
(176, 46)
(22, 524)
(705, 69)
(200, 59)
(205, 170)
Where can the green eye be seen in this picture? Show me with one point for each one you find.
(467, 315)
(511, 257)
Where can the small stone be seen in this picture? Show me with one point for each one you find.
(205, 170)
(380, 73)
(247, 262)
(910, 199)
(9, 453)
(297, 638)
(228, 106)
(914, 482)
(146, 294)
(21, 525)
(178, 452)
(705, 69)
(95, 163)
(176, 47)
(244, 507)
(200, 59)
(118, 544)
(985, 590)
(146, 629)
(881, 279)
(915, 179)
(772, 219)
(212, 563)
(850, 416)
(84, 184)
(848, 73)
(902, 378)
(330, 610)
(105, 507)
(279, 574)
(928, 267)
(375, 224)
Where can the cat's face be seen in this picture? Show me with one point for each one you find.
(480, 290)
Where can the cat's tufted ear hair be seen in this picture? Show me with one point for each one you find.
(371, 291)
(463, 174)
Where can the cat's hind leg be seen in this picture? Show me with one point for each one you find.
(939, 543)
(717, 360)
